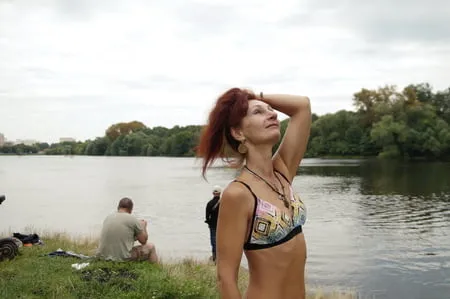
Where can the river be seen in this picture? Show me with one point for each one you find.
(381, 229)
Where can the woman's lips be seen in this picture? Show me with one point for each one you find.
(272, 125)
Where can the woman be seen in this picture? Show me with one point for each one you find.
(259, 212)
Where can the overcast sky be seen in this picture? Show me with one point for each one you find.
(72, 68)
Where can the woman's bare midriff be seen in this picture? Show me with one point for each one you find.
(278, 272)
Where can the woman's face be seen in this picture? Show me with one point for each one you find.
(260, 125)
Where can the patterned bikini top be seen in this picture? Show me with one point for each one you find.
(272, 226)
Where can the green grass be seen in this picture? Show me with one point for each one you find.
(33, 274)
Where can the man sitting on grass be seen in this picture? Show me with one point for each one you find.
(120, 231)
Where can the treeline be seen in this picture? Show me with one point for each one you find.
(124, 139)
(409, 124)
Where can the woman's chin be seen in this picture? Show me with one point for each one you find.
(272, 138)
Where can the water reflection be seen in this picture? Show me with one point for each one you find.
(395, 220)
(388, 177)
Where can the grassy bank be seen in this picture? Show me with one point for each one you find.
(34, 274)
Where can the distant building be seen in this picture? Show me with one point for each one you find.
(66, 139)
(2, 139)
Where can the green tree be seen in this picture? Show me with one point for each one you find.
(389, 135)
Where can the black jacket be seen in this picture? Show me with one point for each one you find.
(212, 212)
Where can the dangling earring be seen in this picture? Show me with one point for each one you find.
(242, 149)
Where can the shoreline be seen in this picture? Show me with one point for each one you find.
(33, 274)
(324, 157)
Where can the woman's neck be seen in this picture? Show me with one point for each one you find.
(260, 161)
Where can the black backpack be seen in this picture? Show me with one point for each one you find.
(8, 249)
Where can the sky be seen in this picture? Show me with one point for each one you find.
(72, 68)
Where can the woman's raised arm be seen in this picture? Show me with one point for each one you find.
(295, 140)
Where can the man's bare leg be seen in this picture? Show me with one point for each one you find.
(145, 252)
(152, 256)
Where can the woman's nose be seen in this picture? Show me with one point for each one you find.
(272, 114)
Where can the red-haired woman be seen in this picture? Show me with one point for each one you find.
(259, 214)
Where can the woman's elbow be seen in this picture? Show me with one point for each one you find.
(305, 103)
(226, 280)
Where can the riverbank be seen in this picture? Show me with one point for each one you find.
(34, 274)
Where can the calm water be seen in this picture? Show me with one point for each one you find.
(382, 229)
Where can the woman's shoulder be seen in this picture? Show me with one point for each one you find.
(237, 193)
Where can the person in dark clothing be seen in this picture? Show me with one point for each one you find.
(212, 213)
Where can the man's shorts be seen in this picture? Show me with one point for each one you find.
(141, 253)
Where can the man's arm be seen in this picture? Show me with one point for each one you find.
(208, 212)
(142, 236)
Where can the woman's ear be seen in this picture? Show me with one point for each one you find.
(237, 134)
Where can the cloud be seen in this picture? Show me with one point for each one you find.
(401, 21)
(74, 68)
(206, 18)
(382, 21)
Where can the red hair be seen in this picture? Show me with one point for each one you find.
(230, 109)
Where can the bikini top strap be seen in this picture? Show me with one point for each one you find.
(248, 187)
(283, 176)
